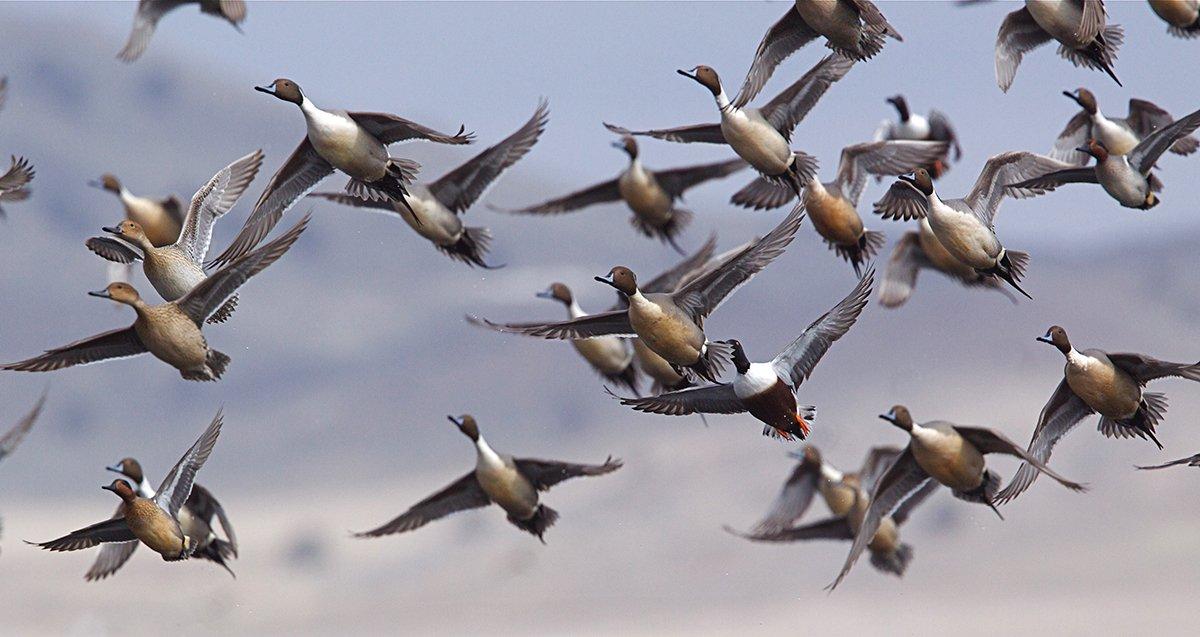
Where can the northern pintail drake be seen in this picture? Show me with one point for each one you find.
(352, 142)
(1098, 382)
(433, 209)
(848, 499)
(14, 183)
(1182, 16)
(196, 519)
(853, 28)
(175, 269)
(1126, 178)
(762, 135)
(161, 219)
(768, 390)
(152, 520)
(652, 195)
(672, 323)
(149, 12)
(1191, 461)
(950, 454)
(171, 331)
(511, 483)
(833, 205)
(1118, 135)
(920, 250)
(935, 127)
(1080, 27)
(965, 227)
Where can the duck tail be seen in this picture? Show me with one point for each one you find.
(667, 232)
(867, 247)
(802, 169)
(985, 493)
(471, 247)
(217, 551)
(896, 562)
(627, 378)
(1011, 268)
(224, 312)
(1100, 54)
(216, 363)
(1143, 424)
(716, 355)
(543, 518)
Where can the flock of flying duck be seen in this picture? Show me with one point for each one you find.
(656, 328)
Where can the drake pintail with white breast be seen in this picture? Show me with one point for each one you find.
(511, 483)
(652, 195)
(672, 323)
(175, 269)
(154, 521)
(935, 127)
(1080, 27)
(171, 331)
(950, 454)
(352, 142)
(833, 205)
(919, 249)
(1119, 135)
(433, 209)
(762, 135)
(1182, 17)
(1098, 382)
(768, 390)
(14, 183)
(149, 12)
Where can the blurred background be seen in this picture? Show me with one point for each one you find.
(349, 352)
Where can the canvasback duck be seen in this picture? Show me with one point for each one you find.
(761, 136)
(848, 499)
(352, 142)
(919, 249)
(1079, 26)
(154, 521)
(965, 227)
(1126, 178)
(1119, 135)
(1191, 461)
(672, 323)
(196, 520)
(852, 28)
(175, 269)
(161, 219)
(1098, 382)
(14, 183)
(511, 483)
(768, 390)
(1182, 16)
(149, 12)
(433, 209)
(935, 127)
(950, 454)
(652, 195)
(833, 205)
(171, 331)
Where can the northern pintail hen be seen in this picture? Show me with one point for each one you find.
(652, 195)
(154, 521)
(848, 499)
(196, 520)
(352, 142)
(511, 483)
(935, 127)
(950, 454)
(833, 205)
(1098, 382)
(1080, 27)
(920, 250)
(433, 209)
(1182, 16)
(965, 227)
(762, 135)
(853, 28)
(1191, 461)
(171, 331)
(1119, 135)
(672, 323)
(14, 183)
(175, 269)
(768, 390)
(1126, 178)
(161, 219)
(149, 12)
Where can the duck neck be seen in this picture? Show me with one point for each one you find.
(309, 109)
(722, 100)
(485, 454)
(144, 489)
(831, 474)
(574, 311)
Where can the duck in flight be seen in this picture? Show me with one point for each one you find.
(149, 12)
(14, 183)
(1080, 27)
(935, 127)
(1119, 135)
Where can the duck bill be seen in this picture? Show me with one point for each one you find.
(912, 181)
(889, 417)
(109, 487)
(688, 74)
(545, 294)
(112, 230)
(1044, 339)
(606, 280)
(95, 184)
(1074, 97)
(269, 90)
(456, 421)
(116, 468)
(103, 294)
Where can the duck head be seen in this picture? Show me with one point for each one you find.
(466, 424)
(621, 278)
(107, 182)
(1084, 98)
(706, 76)
(122, 489)
(128, 229)
(809, 456)
(628, 144)
(740, 361)
(900, 417)
(901, 106)
(120, 292)
(1057, 337)
(921, 180)
(130, 468)
(1095, 148)
(283, 89)
(558, 292)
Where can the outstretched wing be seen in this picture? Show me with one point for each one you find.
(1143, 156)
(544, 474)
(212, 201)
(711, 399)
(111, 530)
(695, 133)
(390, 129)
(177, 486)
(1062, 412)
(464, 493)
(678, 180)
(886, 158)
(793, 104)
(149, 12)
(783, 38)
(797, 361)
(14, 436)
(119, 343)
(988, 441)
(1146, 368)
(600, 193)
(793, 499)
(1019, 34)
(902, 202)
(614, 323)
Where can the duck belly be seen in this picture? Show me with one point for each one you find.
(1060, 18)
(939, 256)
(155, 529)
(838, 497)
(964, 237)
(654, 366)
(834, 19)
(348, 147)
(508, 489)
(1106, 389)
(1179, 13)
(833, 217)
(1118, 139)
(1124, 184)
(645, 197)
(755, 140)
(172, 275)
(606, 353)
(432, 220)
(173, 338)
(671, 335)
(949, 459)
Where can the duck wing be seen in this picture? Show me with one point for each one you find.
(695, 133)
(793, 500)
(464, 493)
(784, 38)
(940, 129)
(900, 515)
(900, 275)
(1019, 34)
(205, 506)
(678, 180)
(212, 201)
(111, 530)
(711, 399)
(112, 557)
(670, 279)
(1191, 461)
(612, 323)
(149, 12)
(600, 193)
(1146, 368)
(902, 202)
(1146, 153)
(19, 174)
(119, 343)
(544, 474)
(827, 529)
(14, 436)
(390, 129)
(354, 201)
(793, 104)
(177, 486)
(1062, 412)
(999, 174)
(113, 249)
(1146, 117)
(885, 158)
(797, 361)
(877, 461)
(989, 441)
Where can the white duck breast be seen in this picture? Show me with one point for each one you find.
(754, 139)
(947, 457)
(644, 195)
(429, 217)
(963, 236)
(1106, 389)
(1060, 18)
(761, 377)
(502, 482)
(342, 142)
(609, 354)
(1118, 139)
(916, 128)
